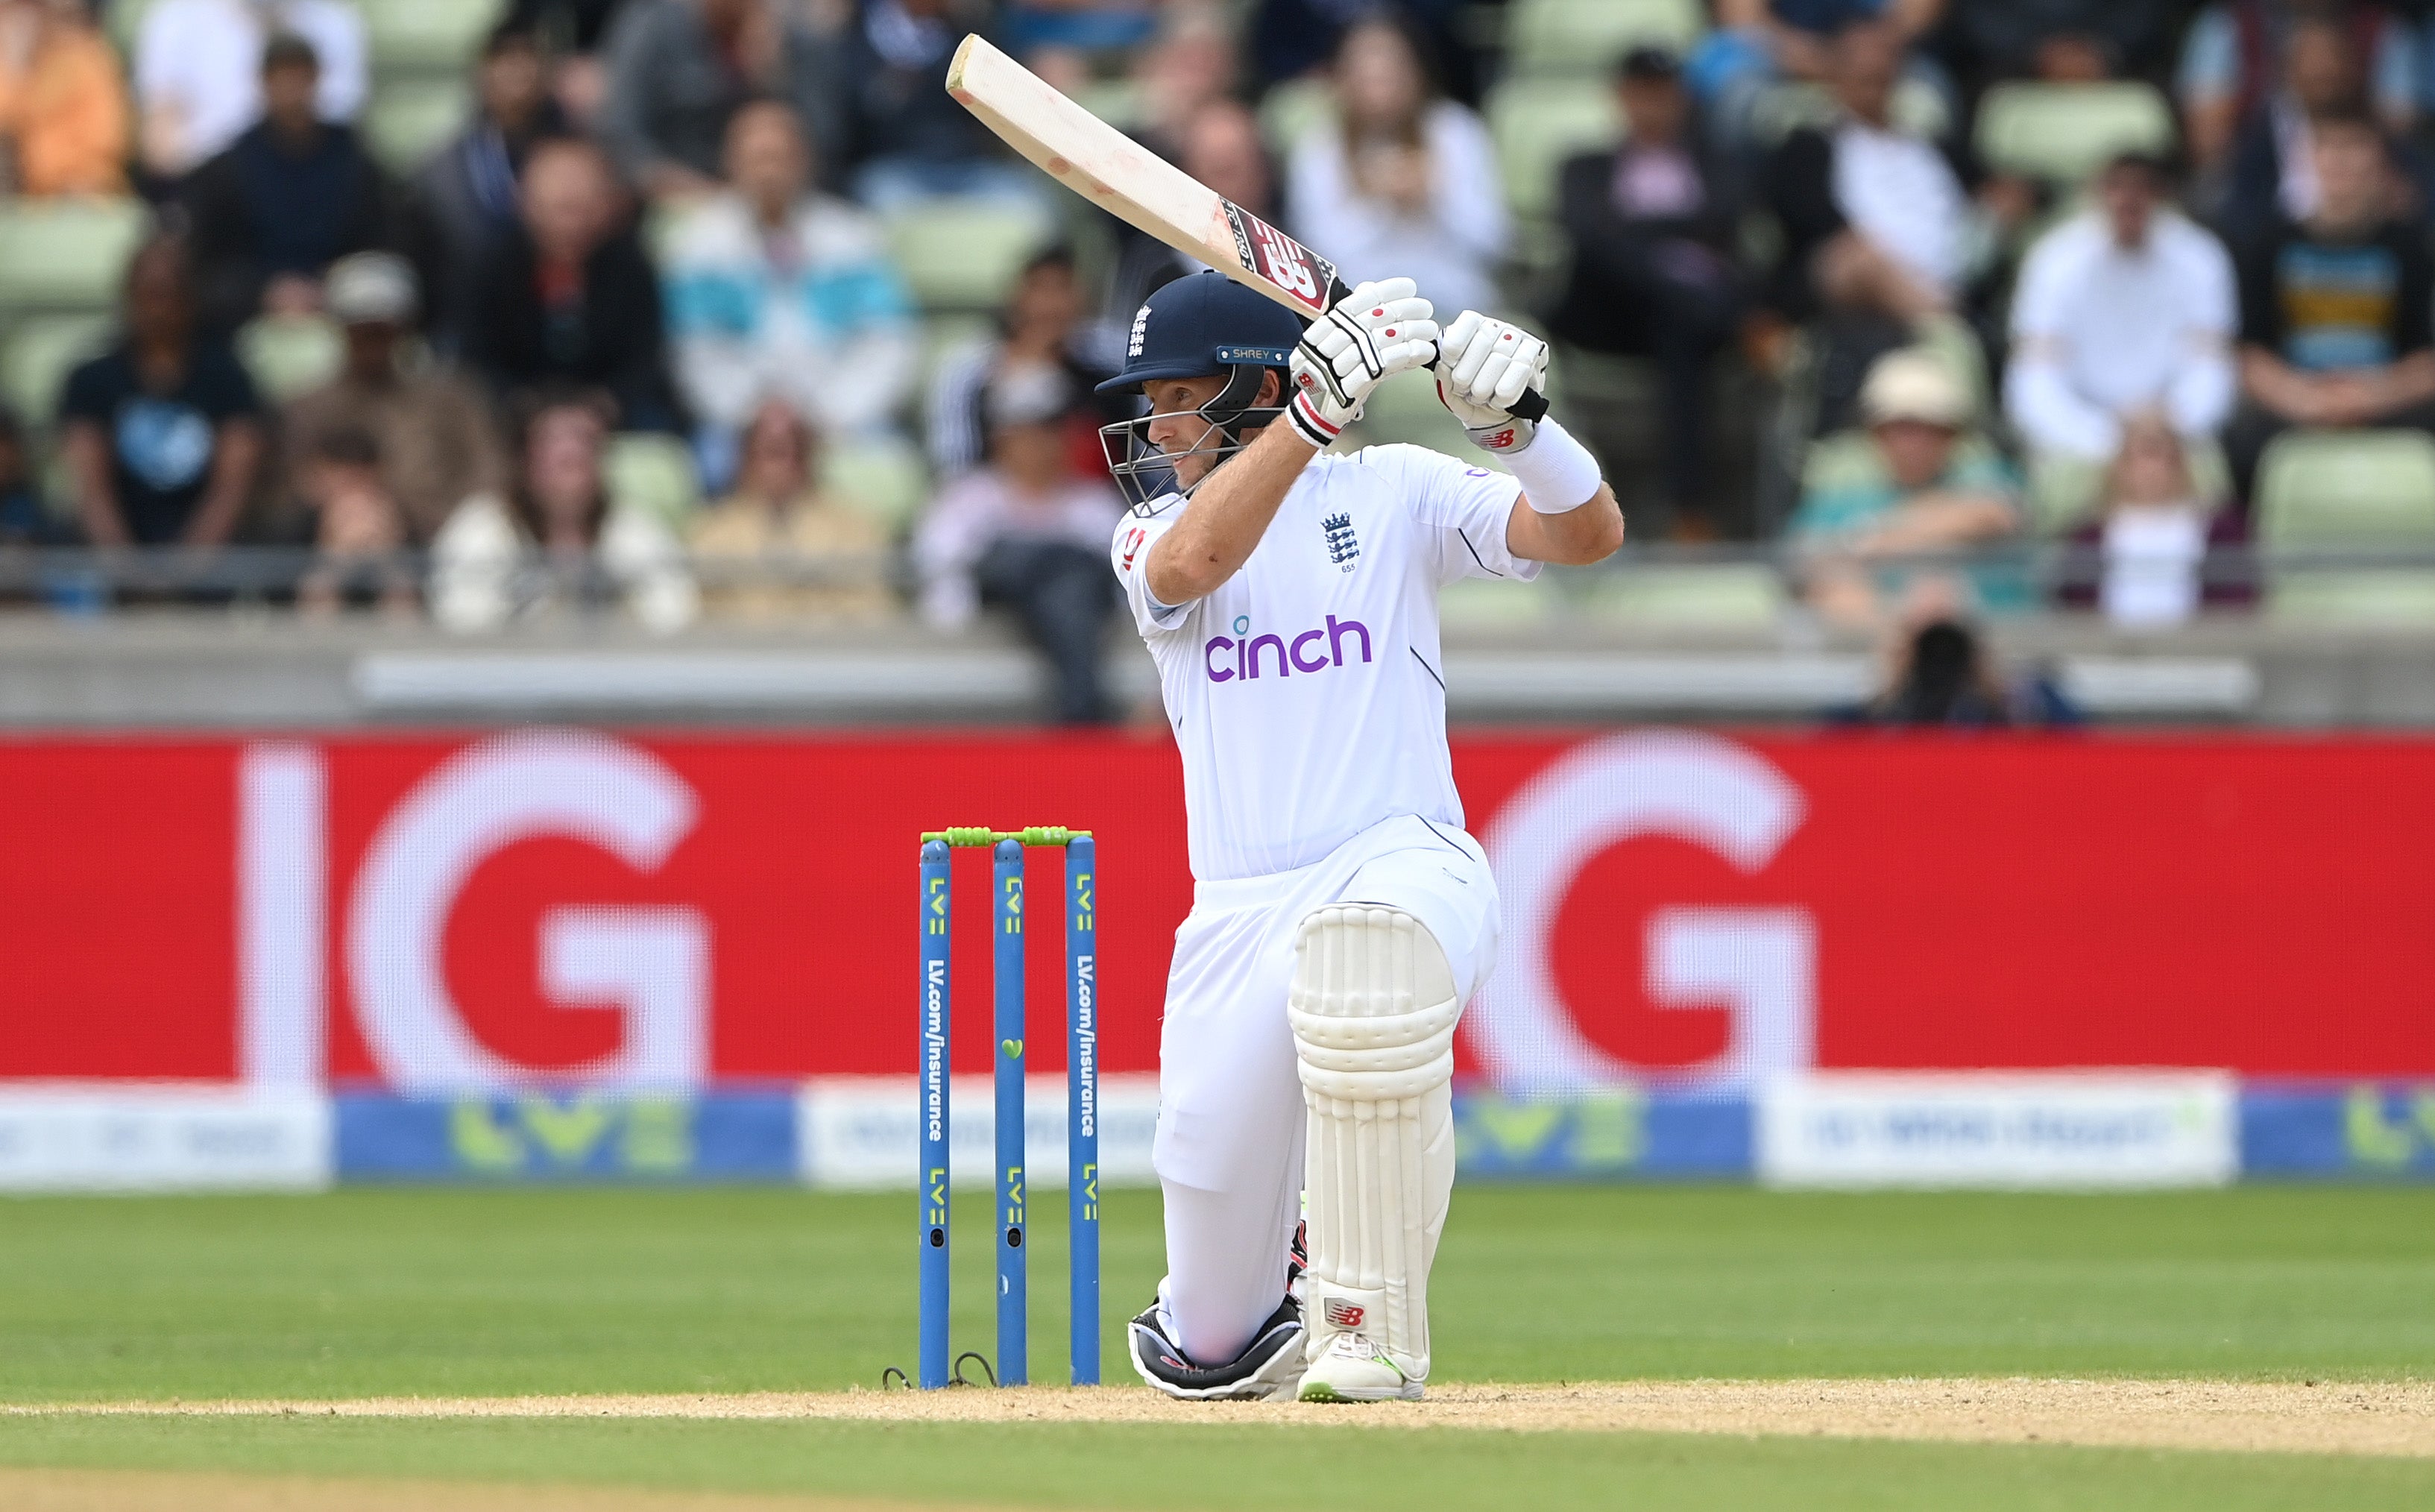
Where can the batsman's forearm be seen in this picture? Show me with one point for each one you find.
(1226, 517)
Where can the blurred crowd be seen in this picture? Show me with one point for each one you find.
(684, 308)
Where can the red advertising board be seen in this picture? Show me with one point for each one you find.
(442, 911)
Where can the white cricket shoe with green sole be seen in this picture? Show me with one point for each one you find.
(1352, 1369)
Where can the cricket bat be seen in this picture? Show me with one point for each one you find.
(1129, 181)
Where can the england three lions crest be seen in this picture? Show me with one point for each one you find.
(1343, 547)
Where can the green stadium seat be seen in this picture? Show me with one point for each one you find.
(652, 472)
(1690, 595)
(1588, 36)
(66, 254)
(960, 254)
(1537, 124)
(290, 354)
(882, 477)
(1292, 110)
(39, 356)
(1782, 109)
(430, 36)
(2065, 132)
(2353, 492)
(408, 122)
(125, 23)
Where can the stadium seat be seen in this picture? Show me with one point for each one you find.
(410, 121)
(1292, 110)
(1537, 124)
(652, 472)
(1691, 595)
(426, 36)
(882, 477)
(38, 357)
(2065, 132)
(964, 254)
(290, 354)
(1587, 36)
(2350, 491)
(65, 255)
(1916, 108)
(125, 21)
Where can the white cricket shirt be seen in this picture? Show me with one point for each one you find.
(1307, 692)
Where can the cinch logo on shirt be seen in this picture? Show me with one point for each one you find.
(1226, 658)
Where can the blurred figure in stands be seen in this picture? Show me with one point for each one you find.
(199, 72)
(1219, 145)
(2334, 310)
(1923, 486)
(432, 439)
(64, 123)
(2238, 56)
(468, 187)
(356, 532)
(163, 434)
(2143, 562)
(1757, 46)
(1042, 329)
(25, 519)
(2058, 42)
(2124, 308)
(1652, 266)
(776, 290)
(2270, 174)
(1029, 534)
(569, 297)
(779, 547)
(910, 140)
(293, 194)
(559, 540)
(1406, 183)
(1939, 674)
(1288, 40)
(573, 34)
(1192, 65)
(678, 70)
(1875, 218)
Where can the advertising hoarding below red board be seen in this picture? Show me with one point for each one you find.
(640, 909)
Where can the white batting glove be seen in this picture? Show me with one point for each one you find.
(1484, 368)
(1373, 334)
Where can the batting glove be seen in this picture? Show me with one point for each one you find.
(1373, 334)
(1484, 368)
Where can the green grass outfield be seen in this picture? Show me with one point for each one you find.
(374, 1292)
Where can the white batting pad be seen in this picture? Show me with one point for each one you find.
(1373, 1010)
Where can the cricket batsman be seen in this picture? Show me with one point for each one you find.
(1341, 917)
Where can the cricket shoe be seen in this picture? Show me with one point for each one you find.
(1352, 1369)
(1268, 1368)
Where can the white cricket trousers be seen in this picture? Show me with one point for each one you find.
(1229, 1151)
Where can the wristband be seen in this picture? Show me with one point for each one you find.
(1555, 466)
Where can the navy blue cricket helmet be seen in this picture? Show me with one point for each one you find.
(1199, 326)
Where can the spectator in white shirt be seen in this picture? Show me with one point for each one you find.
(198, 71)
(1027, 534)
(1406, 183)
(2125, 308)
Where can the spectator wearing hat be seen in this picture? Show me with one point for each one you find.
(780, 546)
(64, 123)
(162, 432)
(432, 441)
(569, 299)
(774, 289)
(1652, 270)
(2126, 308)
(1919, 483)
(468, 188)
(293, 194)
(1028, 533)
(199, 72)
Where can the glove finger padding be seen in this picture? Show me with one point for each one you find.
(1485, 367)
(1376, 332)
